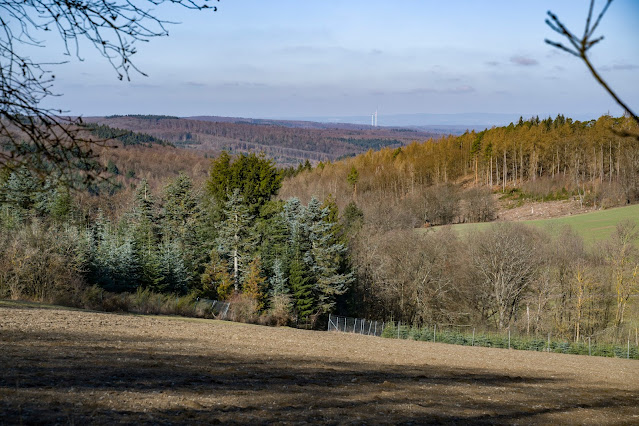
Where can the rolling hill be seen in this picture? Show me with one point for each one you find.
(287, 142)
(594, 226)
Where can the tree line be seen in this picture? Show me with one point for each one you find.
(589, 161)
(226, 240)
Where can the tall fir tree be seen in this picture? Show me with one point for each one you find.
(236, 237)
(302, 289)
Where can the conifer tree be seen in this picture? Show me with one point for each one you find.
(236, 238)
(326, 254)
(145, 236)
(254, 283)
(175, 276)
(279, 281)
(216, 281)
(182, 223)
(302, 289)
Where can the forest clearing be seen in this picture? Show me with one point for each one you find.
(593, 226)
(71, 366)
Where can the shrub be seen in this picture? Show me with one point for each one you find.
(243, 309)
(42, 263)
(279, 313)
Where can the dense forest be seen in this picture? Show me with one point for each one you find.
(286, 144)
(288, 246)
(544, 159)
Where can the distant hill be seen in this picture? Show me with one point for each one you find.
(287, 142)
(452, 122)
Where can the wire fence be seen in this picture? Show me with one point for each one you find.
(468, 335)
(355, 325)
(218, 309)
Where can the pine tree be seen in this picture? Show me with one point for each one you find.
(254, 176)
(302, 289)
(325, 257)
(182, 223)
(236, 238)
(114, 264)
(180, 208)
(175, 276)
(279, 281)
(145, 237)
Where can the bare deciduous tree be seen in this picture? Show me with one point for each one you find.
(38, 137)
(506, 260)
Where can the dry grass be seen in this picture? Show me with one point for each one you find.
(65, 366)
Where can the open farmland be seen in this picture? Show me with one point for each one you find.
(65, 366)
(593, 226)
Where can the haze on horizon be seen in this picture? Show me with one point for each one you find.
(293, 59)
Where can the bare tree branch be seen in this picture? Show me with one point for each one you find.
(583, 44)
(40, 138)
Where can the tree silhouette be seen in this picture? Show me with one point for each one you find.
(38, 137)
(580, 47)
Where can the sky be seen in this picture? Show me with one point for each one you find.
(331, 58)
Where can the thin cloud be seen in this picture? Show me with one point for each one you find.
(449, 91)
(620, 67)
(524, 61)
(492, 63)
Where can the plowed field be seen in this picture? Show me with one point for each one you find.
(64, 366)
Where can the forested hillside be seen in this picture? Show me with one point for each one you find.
(543, 159)
(290, 246)
(286, 144)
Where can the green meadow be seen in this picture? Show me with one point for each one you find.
(593, 227)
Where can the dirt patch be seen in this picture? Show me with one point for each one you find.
(61, 366)
(540, 210)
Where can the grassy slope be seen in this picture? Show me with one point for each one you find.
(593, 227)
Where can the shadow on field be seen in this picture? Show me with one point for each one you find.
(64, 378)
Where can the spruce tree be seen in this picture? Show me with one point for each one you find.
(145, 235)
(325, 257)
(279, 281)
(301, 287)
(175, 276)
(236, 237)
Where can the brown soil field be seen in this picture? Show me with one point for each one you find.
(540, 210)
(61, 366)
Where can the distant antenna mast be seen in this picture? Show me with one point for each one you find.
(376, 117)
(373, 119)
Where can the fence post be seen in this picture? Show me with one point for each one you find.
(628, 354)
(375, 332)
(355, 325)
(508, 337)
(435, 333)
(399, 324)
(345, 323)
(548, 350)
(473, 341)
(589, 352)
(329, 322)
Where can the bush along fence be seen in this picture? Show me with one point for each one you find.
(355, 325)
(469, 336)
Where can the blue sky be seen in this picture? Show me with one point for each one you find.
(334, 58)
